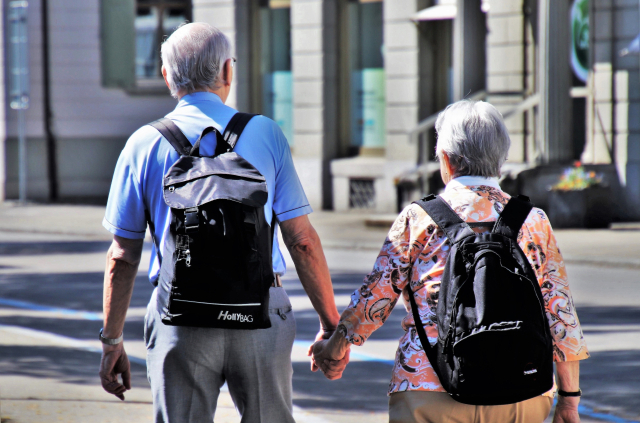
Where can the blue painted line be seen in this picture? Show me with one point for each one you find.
(353, 354)
(586, 411)
(583, 410)
(86, 315)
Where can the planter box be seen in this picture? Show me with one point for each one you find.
(589, 208)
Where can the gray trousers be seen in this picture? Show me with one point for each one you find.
(187, 366)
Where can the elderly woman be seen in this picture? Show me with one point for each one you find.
(473, 143)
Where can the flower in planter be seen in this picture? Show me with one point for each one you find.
(576, 178)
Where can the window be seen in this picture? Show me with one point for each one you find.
(131, 33)
(362, 78)
(155, 20)
(275, 64)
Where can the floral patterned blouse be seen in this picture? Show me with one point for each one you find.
(414, 255)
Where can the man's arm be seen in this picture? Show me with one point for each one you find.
(305, 248)
(123, 259)
(569, 381)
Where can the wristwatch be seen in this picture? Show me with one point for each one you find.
(110, 341)
(577, 393)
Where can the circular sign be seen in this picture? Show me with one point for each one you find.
(580, 38)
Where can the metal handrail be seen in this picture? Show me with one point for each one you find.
(430, 122)
(528, 103)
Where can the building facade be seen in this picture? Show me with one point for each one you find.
(354, 84)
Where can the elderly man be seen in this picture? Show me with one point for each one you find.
(187, 366)
(473, 143)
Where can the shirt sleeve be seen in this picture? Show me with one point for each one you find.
(125, 213)
(289, 198)
(373, 302)
(540, 246)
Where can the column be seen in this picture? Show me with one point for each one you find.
(554, 81)
(313, 51)
(468, 49)
(401, 42)
(508, 64)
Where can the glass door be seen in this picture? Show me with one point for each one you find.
(275, 64)
(365, 60)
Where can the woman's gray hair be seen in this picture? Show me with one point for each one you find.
(194, 56)
(474, 136)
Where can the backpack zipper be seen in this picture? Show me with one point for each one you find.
(454, 314)
(522, 276)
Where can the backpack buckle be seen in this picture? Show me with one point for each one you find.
(191, 220)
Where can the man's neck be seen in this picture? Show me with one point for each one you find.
(216, 92)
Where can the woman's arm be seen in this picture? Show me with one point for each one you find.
(372, 303)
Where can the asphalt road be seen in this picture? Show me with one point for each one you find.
(50, 314)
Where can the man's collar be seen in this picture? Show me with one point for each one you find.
(198, 97)
(470, 181)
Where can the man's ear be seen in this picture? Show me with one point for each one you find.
(228, 72)
(164, 75)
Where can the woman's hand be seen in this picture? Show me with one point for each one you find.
(567, 410)
(324, 333)
(331, 356)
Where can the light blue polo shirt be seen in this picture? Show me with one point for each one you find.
(147, 156)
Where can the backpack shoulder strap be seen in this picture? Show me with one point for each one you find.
(444, 216)
(429, 350)
(233, 131)
(513, 216)
(174, 135)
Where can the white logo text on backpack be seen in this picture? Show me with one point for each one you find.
(239, 317)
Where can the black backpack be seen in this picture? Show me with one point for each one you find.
(494, 343)
(217, 266)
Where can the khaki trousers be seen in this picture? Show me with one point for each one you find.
(439, 407)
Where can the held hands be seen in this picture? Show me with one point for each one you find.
(331, 363)
(114, 362)
(330, 354)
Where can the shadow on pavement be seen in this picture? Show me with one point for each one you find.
(73, 328)
(363, 387)
(611, 378)
(618, 315)
(63, 364)
(45, 248)
(77, 291)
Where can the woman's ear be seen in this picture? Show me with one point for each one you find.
(447, 163)
(446, 171)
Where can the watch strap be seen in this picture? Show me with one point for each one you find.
(577, 393)
(110, 341)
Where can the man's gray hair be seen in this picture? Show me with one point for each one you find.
(194, 56)
(474, 136)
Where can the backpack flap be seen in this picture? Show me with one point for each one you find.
(193, 181)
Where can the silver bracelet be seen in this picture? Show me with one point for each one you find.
(110, 341)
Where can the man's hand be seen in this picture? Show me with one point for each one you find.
(114, 362)
(322, 334)
(123, 259)
(331, 364)
(331, 356)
